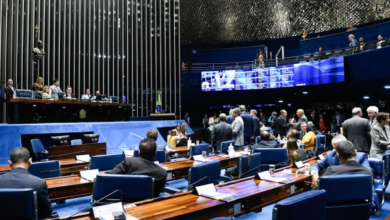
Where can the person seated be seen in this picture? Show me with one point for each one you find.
(171, 139)
(331, 159)
(184, 129)
(381, 42)
(144, 165)
(351, 28)
(38, 85)
(87, 95)
(152, 134)
(304, 35)
(68, 93)
(99, 97)
(45, 94)
(180, 137)
(294, 152)
(267, 141)
(19, 177)
(308, 139)
(303, 130)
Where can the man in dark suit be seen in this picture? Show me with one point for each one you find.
(303, 130)
(230, 118)
(267, 141)
(313, 118)
(248, 125)
(19, 177)
(332, 159)
(68, 94)
(144, 165)
(281, 125)
(337, 121)
(256, 123)
(357, 130)
(222, 132)
(10, 90)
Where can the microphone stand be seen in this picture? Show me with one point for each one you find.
(243, 174)
(60, 155)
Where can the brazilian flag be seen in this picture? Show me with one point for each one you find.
(158, 102)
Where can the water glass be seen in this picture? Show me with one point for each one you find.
(272, 170)
(204, 154)
(197, 142)
(246, 149)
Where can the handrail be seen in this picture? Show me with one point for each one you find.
(277, 54)
(229, 48)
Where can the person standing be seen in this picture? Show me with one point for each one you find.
(380, 136)
(238, 128)
(337, 121)
(187, 118)
(222, 132)
(212, 123)
(380, 42)
(256, 123)
(372, 112)
(230, 118)
(313, 118)
(271, 119)
(281, 125)
(38, 85)
(55, 89)
(205, 121)
(357, 130)
(301, 118)
(10, 90)
(248, 125)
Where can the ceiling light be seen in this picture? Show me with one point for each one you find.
(280, 101)
(366, 97)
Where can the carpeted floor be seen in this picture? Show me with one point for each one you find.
(73, 205)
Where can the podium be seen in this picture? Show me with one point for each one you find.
(163, 116)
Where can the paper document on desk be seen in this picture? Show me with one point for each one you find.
(267, 176)
(105, 212)
(84, 158)
(89, 174)
(200, 158)
(220, 196)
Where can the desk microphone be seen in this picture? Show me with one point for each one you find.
(60, 155)
(243, 174)
(118, 190)
(166, 197)
(50, 171)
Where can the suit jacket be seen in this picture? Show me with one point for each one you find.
(54, 90)
(315, 120)
(334, 120)
(238, 131)
(222, 132)
(267, 144)
(301, 134)
(256, 126)
(331, 159)
(9, 93)
(229, 119)
(357, 130)
(303, 118)
(349, 167)
(380, 139)
(21, 178)
(248, 124)
(281, 126)
(66, 96)
(139, 165)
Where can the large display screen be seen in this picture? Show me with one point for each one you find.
(301, 74)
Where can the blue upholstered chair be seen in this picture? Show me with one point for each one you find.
(197, 149)
(16, 204)
(276, 156)
(319, 144)
(225, 146)
(247, 163)
(37, 95)
(307, 205)
(134, 188)
(211, 169)
(380, 184)
(23, 94)
(38, 149)
(114, 99)
(161, 156)
(348, 196)
(257, 139)
(106, 162)
(48, 169)
(76, 142)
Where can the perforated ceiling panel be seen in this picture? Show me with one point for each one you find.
(230, 21)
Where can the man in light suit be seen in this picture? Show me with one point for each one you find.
(222, 132)
(301, 118)
(357, 130)
(54, 89)
(230, 118)
(281, 125)
(372, 112)
(256, 123)
(238, 128)
(331, 159)
(19, 177)
(248, 125)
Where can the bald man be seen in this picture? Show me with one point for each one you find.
(301, 118)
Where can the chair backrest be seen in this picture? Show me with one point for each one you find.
(307, 205)
(133, 187)
(386, 167)
(114, 98)
(376, 165)
(272, 155)
(250, 162)
(197, 149)
(257, 140)
(161, 156)
(37, 147)
(211, 169)
(37, 95)
(106, 162)
(23, 94)
(49, 169)
(225, 146)
(18, 203)
(76, 142)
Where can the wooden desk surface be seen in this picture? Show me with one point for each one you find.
(67, 102)
(65, 151)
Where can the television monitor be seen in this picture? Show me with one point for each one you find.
(90, 138)
(59, 140)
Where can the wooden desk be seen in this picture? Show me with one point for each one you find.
(92, 149)
(183, 151)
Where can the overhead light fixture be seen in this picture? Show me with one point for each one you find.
(305, 93)
(280, 101)
(387, 87)
(366, 97)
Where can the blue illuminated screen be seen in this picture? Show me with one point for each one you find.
(301, 74)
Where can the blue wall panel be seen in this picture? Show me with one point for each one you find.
(119, 136)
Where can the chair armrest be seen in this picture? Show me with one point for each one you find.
(171, 190)
(224, 178)
(380, 190)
